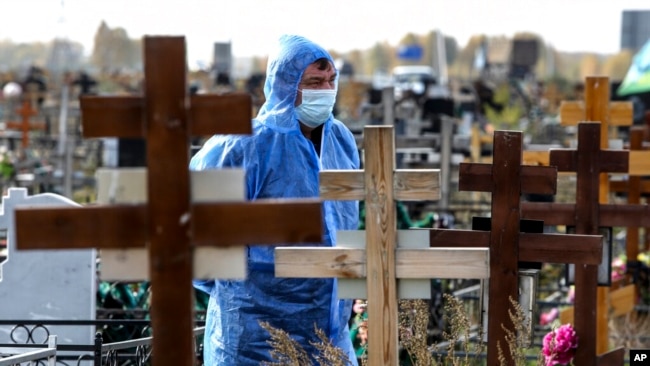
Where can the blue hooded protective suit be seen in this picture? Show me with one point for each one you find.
(279, 162)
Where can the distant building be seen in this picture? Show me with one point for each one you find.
(635, 29)
(222, 63)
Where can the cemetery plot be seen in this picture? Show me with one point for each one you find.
(507, 179)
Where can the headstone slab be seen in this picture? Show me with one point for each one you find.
(128, 185)
(45, 284)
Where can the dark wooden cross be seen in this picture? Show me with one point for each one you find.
(169, 224)
(633, 187)
(587, 214)
(25, 126)
(507, 179)
(597, 107)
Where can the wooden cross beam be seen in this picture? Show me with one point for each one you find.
(382, 261)
(589, 161)
(595, 108)
(507, 179)
(25, 126)
(634, 186)
(597, 103)
(169, 224)
(624, 298)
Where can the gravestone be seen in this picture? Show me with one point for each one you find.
(45, 284)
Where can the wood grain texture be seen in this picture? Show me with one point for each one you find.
(381, 237)
(410, 263)
(225, 223)
(168, 201)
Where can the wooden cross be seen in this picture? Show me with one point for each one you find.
(507, 179)
(596, 103)
(624, 297)
(597, 107)
(25, 112)
(611, 114)
(634, 186)
(388, 254)
(169, 224)
(587, 215)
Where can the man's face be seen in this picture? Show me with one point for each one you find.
(313, 78)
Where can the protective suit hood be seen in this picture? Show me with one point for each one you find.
(280, 162)
(283, 73)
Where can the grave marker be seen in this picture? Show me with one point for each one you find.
(507, 179)
(597, 107)
(634, 186)
(624, 298)
(45, 284)
(587, 215)
(169, 223)
(388, 254)
(25, 126)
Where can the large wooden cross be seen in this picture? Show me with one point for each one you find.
(587, 214)
(382, 254)
(25, 126)
(169, 224)
(507, 179)
(597, 107)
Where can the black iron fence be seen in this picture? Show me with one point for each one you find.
(31, 341)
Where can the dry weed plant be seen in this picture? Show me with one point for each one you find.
(287, 352)
(517, 338)
(460, 333)
(413, 321)
(628, 330)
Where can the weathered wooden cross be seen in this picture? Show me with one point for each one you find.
(507, 179)
(25, 126)
(169, 224)
(388, 254)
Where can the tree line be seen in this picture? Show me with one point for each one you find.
(114, 51)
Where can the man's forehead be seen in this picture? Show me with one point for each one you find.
(313, 71)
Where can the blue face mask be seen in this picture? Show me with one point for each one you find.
(316, 106)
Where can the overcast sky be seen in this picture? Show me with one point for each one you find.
(253, 25)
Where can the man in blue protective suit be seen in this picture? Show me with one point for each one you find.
(294, 137)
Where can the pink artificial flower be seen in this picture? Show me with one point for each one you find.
(560, 345)
(549, 316)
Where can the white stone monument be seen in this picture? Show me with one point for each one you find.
(45, 284)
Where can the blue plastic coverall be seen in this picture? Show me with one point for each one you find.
(279, 162)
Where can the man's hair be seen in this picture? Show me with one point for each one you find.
(323, 64)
